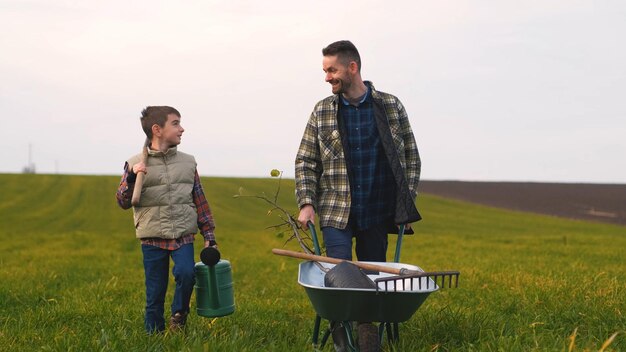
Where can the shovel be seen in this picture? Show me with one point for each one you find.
(139, 180)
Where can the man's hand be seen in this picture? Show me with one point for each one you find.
(307, 213)
(208, 244)
(406, 226)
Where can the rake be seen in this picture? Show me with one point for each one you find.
(401, 273)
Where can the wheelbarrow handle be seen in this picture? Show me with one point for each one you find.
(316, 243)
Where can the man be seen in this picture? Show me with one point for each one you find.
(358, 165)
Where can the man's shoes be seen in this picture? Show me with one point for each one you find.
(368, 337)
(177, 321)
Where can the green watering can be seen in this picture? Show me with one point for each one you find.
(214, 285)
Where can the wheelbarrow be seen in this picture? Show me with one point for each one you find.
(400, 290)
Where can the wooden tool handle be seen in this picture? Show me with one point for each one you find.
(319, 258)
(139, 180)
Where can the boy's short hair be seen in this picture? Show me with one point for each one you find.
(155, 115)
(345, 51)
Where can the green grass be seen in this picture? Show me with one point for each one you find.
(71, 276)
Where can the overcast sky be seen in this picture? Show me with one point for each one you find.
(495, 90)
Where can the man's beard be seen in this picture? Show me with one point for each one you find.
(343, 86)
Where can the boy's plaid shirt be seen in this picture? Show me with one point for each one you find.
(206, 224)
(321, 170)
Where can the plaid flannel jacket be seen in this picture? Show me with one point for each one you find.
(320, 167)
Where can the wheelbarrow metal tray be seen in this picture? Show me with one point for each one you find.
(390, 304)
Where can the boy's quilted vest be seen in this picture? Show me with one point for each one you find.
(166, 208)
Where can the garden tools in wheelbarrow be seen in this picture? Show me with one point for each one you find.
(214, 285)
(403, 275)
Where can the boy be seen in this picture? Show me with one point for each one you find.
(171, 209)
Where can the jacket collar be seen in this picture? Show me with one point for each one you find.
(168, 152)
(337, 99)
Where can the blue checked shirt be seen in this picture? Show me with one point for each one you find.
(371, 179)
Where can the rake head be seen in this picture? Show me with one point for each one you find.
(406, 278)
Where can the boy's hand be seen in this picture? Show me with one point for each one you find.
(208, 244)
(139, 167)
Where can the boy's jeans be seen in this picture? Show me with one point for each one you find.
(156, 262)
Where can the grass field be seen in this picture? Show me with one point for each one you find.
(71, 276)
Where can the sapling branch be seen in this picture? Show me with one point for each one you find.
(288, 220)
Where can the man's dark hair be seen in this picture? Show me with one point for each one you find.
(345, 52)
(155, 115)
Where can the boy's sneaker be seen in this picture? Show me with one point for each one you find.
(177, 321)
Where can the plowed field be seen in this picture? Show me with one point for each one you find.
(595, 202)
